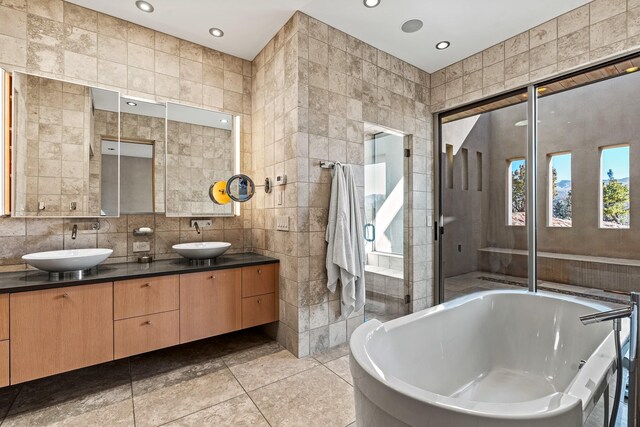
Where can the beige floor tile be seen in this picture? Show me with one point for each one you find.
(170, 395)
(316, 397)
(341, 367)
(84, 397)
(195, 353)
(265, 364)
(118, 414)
(239, 411)
(332, 353)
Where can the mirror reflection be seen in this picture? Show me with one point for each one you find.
(141, 156)
(56, 159)
(136, 177)
(201, 150)
(240, 188)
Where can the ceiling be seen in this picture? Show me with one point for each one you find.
(470, 25)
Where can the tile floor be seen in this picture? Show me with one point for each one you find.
(233, 380)
(240, 379)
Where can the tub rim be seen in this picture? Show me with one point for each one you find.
(584, 386)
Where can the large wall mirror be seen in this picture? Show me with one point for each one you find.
(202, 147)
(56, 146)
(81, 151)
(141, 156)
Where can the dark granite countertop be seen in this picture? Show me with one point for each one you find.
(29, 280)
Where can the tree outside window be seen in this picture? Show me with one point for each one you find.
(560, 204)
(615, 199)
(517, 192)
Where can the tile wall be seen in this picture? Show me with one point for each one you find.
(588, 34)
(314, 88)
(57, 39)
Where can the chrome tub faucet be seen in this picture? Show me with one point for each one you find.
(629, 311)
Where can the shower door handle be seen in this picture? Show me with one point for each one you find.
(369, 232)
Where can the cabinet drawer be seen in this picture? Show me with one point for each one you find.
(258, 310)
(258, 280)
(4, 316)
(146, 333)
(139, 297)
(4, 363)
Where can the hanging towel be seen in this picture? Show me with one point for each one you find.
(345, 241)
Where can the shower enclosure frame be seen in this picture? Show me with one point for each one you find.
(531, 91)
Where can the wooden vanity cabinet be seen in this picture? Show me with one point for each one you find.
(58, 330)
(210, 303)
(50, 331)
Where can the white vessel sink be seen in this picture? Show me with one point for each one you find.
(201, 250)
(67, 260)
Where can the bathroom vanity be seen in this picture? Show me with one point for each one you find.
(48, 327)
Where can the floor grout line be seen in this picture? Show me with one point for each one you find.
(199, 410)
(284, 378)
(247, 393)
(221, 357)
(133, 403)
(13, 401)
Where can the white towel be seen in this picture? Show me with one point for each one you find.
(345, 249)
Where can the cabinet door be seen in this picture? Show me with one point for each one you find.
(210, 303)
(58, 330)
(258, 310)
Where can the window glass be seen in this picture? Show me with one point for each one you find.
(614, 195)
(517, 192)
(559, 214)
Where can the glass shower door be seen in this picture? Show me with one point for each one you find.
(384, 225)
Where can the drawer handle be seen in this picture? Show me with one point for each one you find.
(146, 285)
(211, 277)
(258, 300)
(259, 271)
(147, 323)
(65, 295)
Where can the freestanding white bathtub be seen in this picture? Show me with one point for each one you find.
(497, 358)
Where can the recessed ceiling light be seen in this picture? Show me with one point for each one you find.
(216, 32)
(111, 149)
(144, 6)
(542, 89)
(443, 45)
(371, 3)
(131, 103)
(631, 69)
(412, 25)
(224, 121)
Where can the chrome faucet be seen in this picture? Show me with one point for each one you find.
(630, 311)
(195, 224)
(74, 231)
